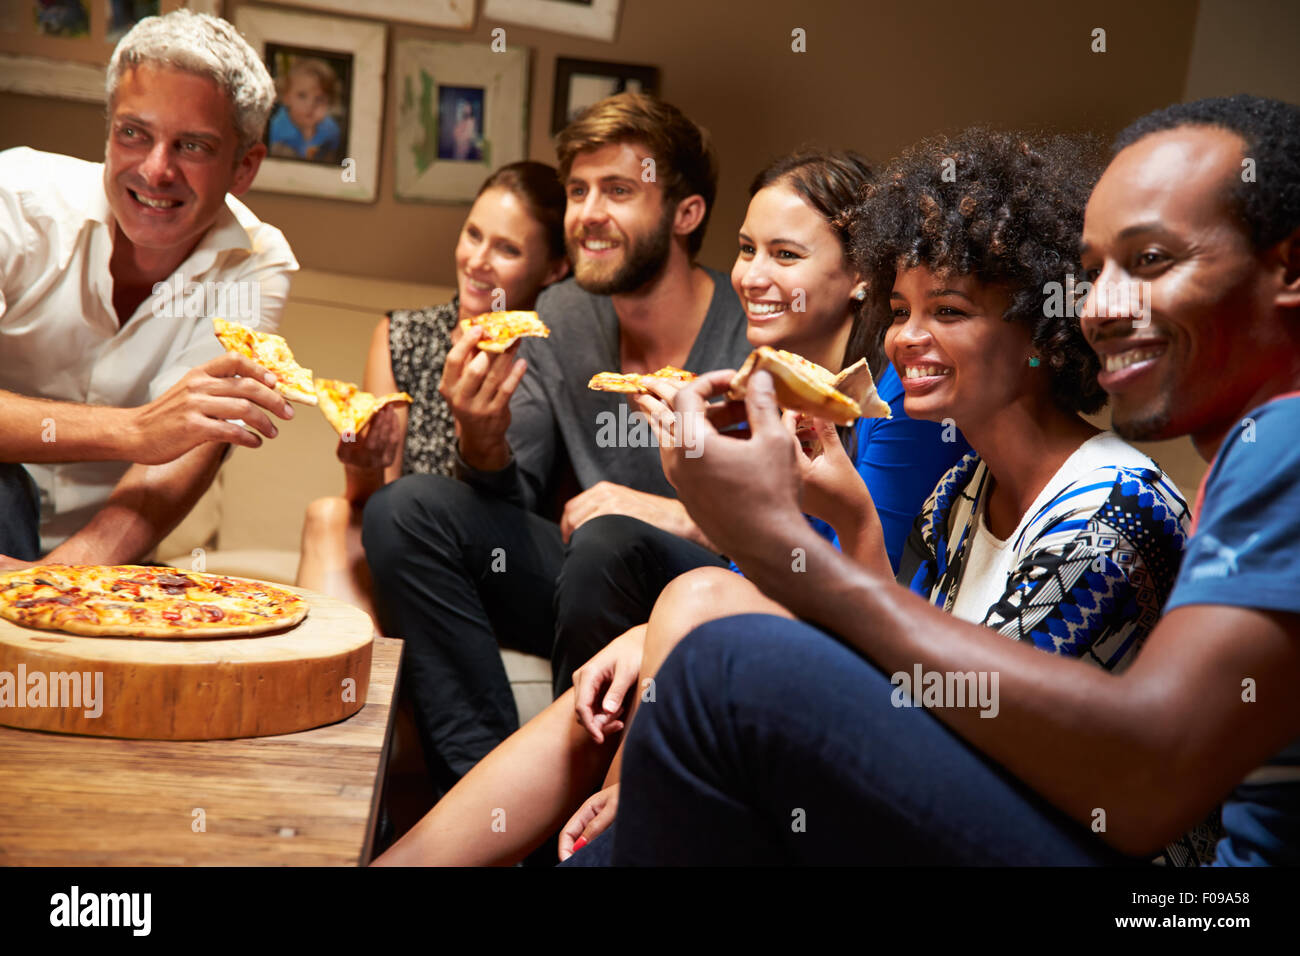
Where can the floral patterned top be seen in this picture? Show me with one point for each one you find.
(418, 342)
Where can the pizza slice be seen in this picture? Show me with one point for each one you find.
(347, 408)
(502, 329)
(273, 354)
(633, 383)
(855, 382)
(803, 386)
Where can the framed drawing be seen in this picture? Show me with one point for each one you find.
(447, 14)
(462, 111)
(579, 83)
(324, 133)
(597, 19)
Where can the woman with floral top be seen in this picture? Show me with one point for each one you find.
(511, 247)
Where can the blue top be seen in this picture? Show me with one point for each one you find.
(283, 131)
(1244, 553)
(900, 460)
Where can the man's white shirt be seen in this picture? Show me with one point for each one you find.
(59, 334)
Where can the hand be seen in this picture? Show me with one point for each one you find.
(477, 386)
(612, 672)
(607, 498)
(196, 410)
(591, 820)
(375, 447)
(13, 564)
(832, 488)
(741, 492)
(670, 429)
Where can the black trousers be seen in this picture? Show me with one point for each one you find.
(20, 515)
(457, 572)
(612, 575)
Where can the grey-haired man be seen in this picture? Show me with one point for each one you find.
(113, 388)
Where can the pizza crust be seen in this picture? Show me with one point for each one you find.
(856, 383)
(86, 629)
(801, 385)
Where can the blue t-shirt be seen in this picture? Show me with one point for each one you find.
(1245, 553)
(283, 131)
(900, 460)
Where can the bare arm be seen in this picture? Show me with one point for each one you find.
(191, 412)
(146, 505)
(1154, 748)
(37, 430)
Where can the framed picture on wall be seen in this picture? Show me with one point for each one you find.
(323, 137)
(461, 112)
(61, 47)
(597, 19)
(448, 14)
(579, 83)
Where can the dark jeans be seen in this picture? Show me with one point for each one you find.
(614, 570)
(20, 514)
(456, 571)
(770, 742)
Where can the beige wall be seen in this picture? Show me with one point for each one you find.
(876, 76)
(1245, 48)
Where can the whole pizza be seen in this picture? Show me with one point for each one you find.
(135, 601)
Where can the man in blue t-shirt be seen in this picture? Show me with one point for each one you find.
(1191, 243)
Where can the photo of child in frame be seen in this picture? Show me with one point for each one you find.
(313, 88)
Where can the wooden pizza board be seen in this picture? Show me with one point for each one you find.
(314, 673)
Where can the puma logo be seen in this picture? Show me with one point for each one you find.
(1224, 561)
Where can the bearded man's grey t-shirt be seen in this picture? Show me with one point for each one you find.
(560, 430)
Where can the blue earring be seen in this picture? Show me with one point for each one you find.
(1034, 361)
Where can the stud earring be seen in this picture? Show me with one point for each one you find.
(860, 295)
(1034, 361)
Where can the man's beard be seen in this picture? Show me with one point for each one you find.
(643, 262)
(1151, 426)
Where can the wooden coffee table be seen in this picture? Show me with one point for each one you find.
(303, 799)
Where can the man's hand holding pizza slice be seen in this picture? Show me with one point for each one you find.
(202, 407)
(743, 492)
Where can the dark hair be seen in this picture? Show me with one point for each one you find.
(830, 181)
(685, 161)
(538, 185)
(1005, 208)
(1269, 206)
